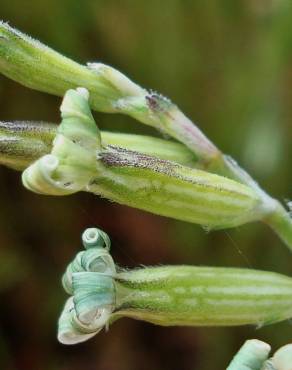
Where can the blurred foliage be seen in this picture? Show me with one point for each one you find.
(227, 64)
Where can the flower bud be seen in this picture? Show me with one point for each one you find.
(142, 181)
(171, 295)
(39, 67)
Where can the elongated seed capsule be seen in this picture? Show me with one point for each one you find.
(138, 180)
(170, 295)
(251, 356)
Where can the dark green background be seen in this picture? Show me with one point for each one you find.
(227, 64)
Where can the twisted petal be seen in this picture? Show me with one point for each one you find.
(68, 331)
(92, 292)
(95, 259)
(39, 177)
(95, 238)
(72, 161)
(74, 266)
(77, 121)
(85, 314)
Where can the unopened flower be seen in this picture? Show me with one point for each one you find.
(79, 161)
(169, 295)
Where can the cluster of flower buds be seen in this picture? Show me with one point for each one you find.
(126, 176)
(192, 182)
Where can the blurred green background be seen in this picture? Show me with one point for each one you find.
(227, 64)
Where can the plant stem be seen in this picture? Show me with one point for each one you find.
(281, 222)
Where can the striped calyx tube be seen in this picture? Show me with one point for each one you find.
(81, 161)
(170, 295)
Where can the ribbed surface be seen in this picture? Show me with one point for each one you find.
(205, 296)
(168, 189)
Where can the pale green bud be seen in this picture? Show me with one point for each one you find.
(80, 161)
(171, 295)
